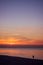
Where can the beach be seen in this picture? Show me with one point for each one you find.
(13, 60)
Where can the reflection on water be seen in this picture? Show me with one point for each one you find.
(38, 53)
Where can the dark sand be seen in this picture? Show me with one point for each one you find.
(9, 60)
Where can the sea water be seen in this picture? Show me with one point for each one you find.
(23, 52)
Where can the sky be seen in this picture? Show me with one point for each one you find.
(21, 22)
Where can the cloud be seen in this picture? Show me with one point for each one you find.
(19, 39)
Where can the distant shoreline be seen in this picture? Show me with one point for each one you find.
(21, 46)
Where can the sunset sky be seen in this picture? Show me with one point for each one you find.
(21, 22)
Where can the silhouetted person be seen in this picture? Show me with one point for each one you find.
(33, 57)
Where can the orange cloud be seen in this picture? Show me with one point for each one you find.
(16, 40)
(38, 42)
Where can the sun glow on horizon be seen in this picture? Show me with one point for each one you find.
(11, 41)
(19, 41)
(8, 41)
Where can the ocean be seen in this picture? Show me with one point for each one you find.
(23, 52)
